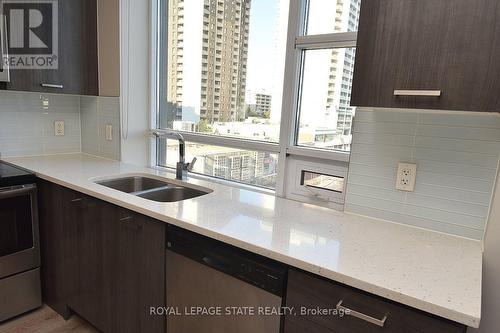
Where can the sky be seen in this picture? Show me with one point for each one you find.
(263, 26)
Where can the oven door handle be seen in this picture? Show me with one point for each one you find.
(14, 191)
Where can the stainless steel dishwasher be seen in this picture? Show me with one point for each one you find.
(215, 288)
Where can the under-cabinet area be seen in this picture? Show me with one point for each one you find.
(124, 272)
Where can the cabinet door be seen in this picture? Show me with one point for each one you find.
(88, 279)
(135, 272)
(77, 71)
(24, 80)
(56, 244)
(78, 65)
(103, 262)
(448, 46)
(373, 314)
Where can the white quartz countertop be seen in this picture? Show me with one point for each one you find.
(433, 272)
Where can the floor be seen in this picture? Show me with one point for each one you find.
(45, 320)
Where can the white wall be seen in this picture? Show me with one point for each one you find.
(26, 128)
(135, 82)
(27, 123)
(456, 155)
(490, 322)
(96, 113)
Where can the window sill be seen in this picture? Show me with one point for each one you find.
(242, 186)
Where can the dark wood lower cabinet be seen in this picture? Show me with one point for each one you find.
(107, 264)
(88, 294)
(56, 241)
(306, 291)
(101, 261)
(135, 256)
(293, 325)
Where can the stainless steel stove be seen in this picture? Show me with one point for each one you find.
(19, 242)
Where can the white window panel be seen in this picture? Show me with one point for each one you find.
(322, 197)
(297, 28)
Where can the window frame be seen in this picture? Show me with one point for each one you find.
(287, 148)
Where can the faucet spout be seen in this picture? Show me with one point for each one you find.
(182, 167)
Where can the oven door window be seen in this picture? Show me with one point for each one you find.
(16, 227)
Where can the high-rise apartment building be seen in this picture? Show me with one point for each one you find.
(175, 59)
(208, 81)
(263, 104)
(224, 61)
(341, 71)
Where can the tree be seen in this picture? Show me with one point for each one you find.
(204, 126)
(251, 112)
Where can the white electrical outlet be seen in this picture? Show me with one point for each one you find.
(405, 180)
(59, 128)
(109, 132)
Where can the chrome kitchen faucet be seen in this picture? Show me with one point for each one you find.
(182, 167)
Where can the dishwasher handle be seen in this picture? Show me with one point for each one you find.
(215, 263)
(254, 269)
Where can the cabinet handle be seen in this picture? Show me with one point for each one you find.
(362, 316)
(77, 200)
(429, 93)
(131, 226)
(48, 85)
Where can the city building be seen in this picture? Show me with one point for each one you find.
(258, 168)
(263, 105)
(327, 79)
(175, 60)
(341, 72)
(246, 166)
(207, 60)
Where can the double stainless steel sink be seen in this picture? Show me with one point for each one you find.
(153, 189)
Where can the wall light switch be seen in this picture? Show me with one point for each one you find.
(405, 180)
(59, 128)
(109, 132)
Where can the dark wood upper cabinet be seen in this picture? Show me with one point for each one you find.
(87, 49)
(78, 59)
(448, 46)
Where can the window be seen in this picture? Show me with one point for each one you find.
(332, 16)
(325, 111)
(322, 181)
(327, 57)
(244, 166)
(257, 60)
(263, 81)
